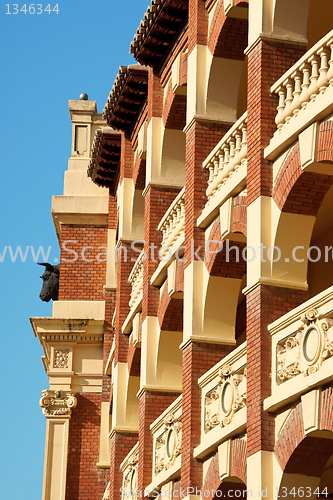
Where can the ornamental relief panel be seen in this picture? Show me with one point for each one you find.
(57, 403)
(168, 444)
(61, 359)
(130, 478)
(305, 350)
(226, 398)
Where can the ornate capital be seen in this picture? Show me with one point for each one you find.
(57, 403)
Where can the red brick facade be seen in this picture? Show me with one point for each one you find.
(295, 191)
(84, 480)
(264, 304)
(82, 275)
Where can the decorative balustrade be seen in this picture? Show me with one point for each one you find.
(226, 158)
(136, 279)
(302, 350)
(172, 224)
(129, 468)
(167, 438)
(301, 85)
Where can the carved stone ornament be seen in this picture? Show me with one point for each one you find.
(305, 351)
(130, 478)
(168, 444)
(57, 403)
(226, 398)
(61, 359)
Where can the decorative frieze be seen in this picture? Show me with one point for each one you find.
(57, 403)
(304, 351)
(61, 359)
(168, 444)
(225, 399)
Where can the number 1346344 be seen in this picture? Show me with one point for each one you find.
(33, 8)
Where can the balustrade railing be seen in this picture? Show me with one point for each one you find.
(136, 279)
(226, 158)
(172, 224)
(300, 86)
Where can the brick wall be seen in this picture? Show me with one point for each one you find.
(174, 111)
(84, 480)
(300, 454)
(292, 187)
(79, 279)
(198, 24)
(155, 95)
(124, 268)
(239, 216)
(213, 484)
(267, 61)
(121, 445)
(126, 158)
(325, 142)
(157, 201)
(200, 140)
(228, 36)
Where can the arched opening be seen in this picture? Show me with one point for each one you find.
(173, 157)
(302, 20)
(320, 255)
(309, 468)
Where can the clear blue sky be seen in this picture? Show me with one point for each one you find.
(46, 59)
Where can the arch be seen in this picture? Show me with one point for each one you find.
(139, 173)
(170, 312)
(227, 40)
(235, 480)
(300, 20)
(173, 156)
(294, 184)
(299, 453)
(299, 193)
(224, 280)
(174, 110)
(289, 18)
(228, 36)
(133, 360)
(228, 262)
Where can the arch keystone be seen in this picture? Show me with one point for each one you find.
(224, 452)
(311, 410)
